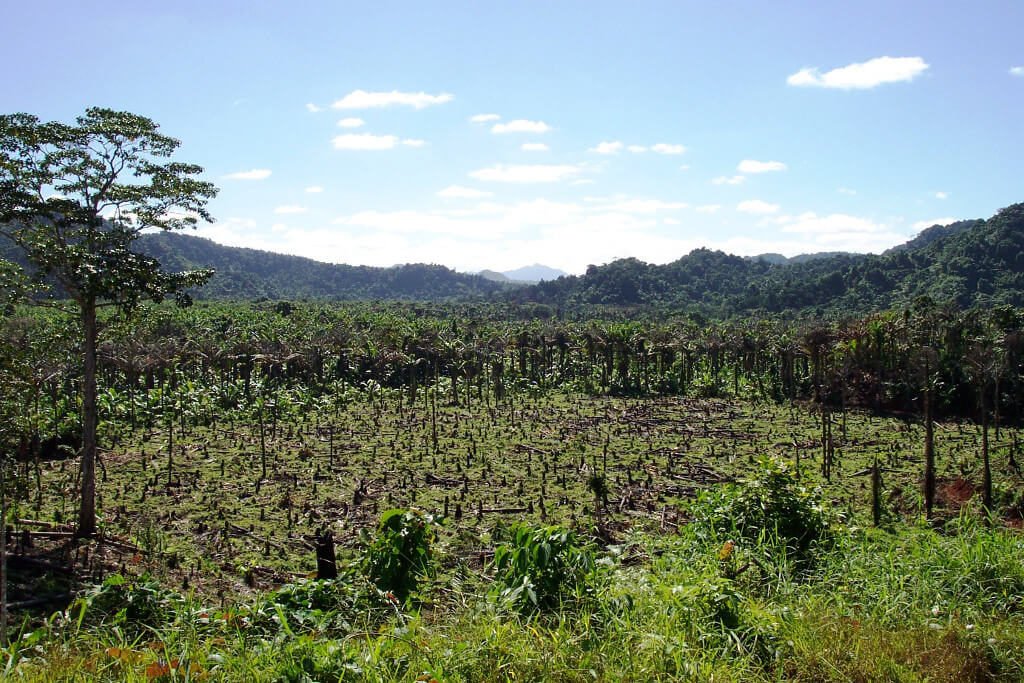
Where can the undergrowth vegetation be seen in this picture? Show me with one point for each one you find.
(733, 596)
(524, 499)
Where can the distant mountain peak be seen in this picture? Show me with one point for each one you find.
(534, 273)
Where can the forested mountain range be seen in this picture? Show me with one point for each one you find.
(969, 263)
(254, 274)
(977, 262)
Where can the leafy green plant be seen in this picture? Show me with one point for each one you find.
(324, 606)
(772, 505)
(539, 568)
(133, 604)
(400, 555)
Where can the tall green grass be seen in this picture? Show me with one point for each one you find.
(750, 601)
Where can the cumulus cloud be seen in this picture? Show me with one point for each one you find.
(610, 147)
(862, 75)
(290, 209)
(480, 233)
(756, 206)
(314, 189)
(644, 206)
(460, 192)
(254, 174)
(534, 147)
(665, 148)
(364, 141)
(413, 142)
(1017, 70)
(728, 180)
(752, 166)
(312, 108)
(483, 118)
(521, 126)
(362, 99)
(942, 195)
(351, 122)
(923, 225)
(526, 173)
(839, 232)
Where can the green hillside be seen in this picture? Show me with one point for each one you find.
(970, 263)
(252, 274)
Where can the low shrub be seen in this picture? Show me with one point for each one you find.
(540, 568)
(401, 554)
(772, 506)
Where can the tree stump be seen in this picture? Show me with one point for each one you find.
(326, 564)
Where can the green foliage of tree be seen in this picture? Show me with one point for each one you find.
(74, 198)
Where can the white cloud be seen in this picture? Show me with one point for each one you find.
(839, 232)
(847, 191)
(610, 147)
(364, 141)
(351, 122)
(312, 108)
(290, 209)
(521, 126)
(534, 147)
(665, 148)
(1017, 70)
(486, 234)
(942, 195)
(684, 167)
(413, 142)
(314, 189)
(709, 208)
(751, 166)
(637, 149)
(497, 235)
(728, 180)
(756, 206)
(254, 174)
(361, 99)
(483, 118)
(645, 206)
(869, 74)
(922, 225)
(526, 173)
(460, 192)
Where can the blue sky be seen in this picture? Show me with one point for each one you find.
(495, 135)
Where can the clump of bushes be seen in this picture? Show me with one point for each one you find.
(400, 556)
(132, 604)
(541, 568)
(772, 508)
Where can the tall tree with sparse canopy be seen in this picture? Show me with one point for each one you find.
(74, 198)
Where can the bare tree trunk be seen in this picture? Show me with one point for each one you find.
(929, 449)
(876, 493)
(87, 508)
(985, 463)
(3, 555)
